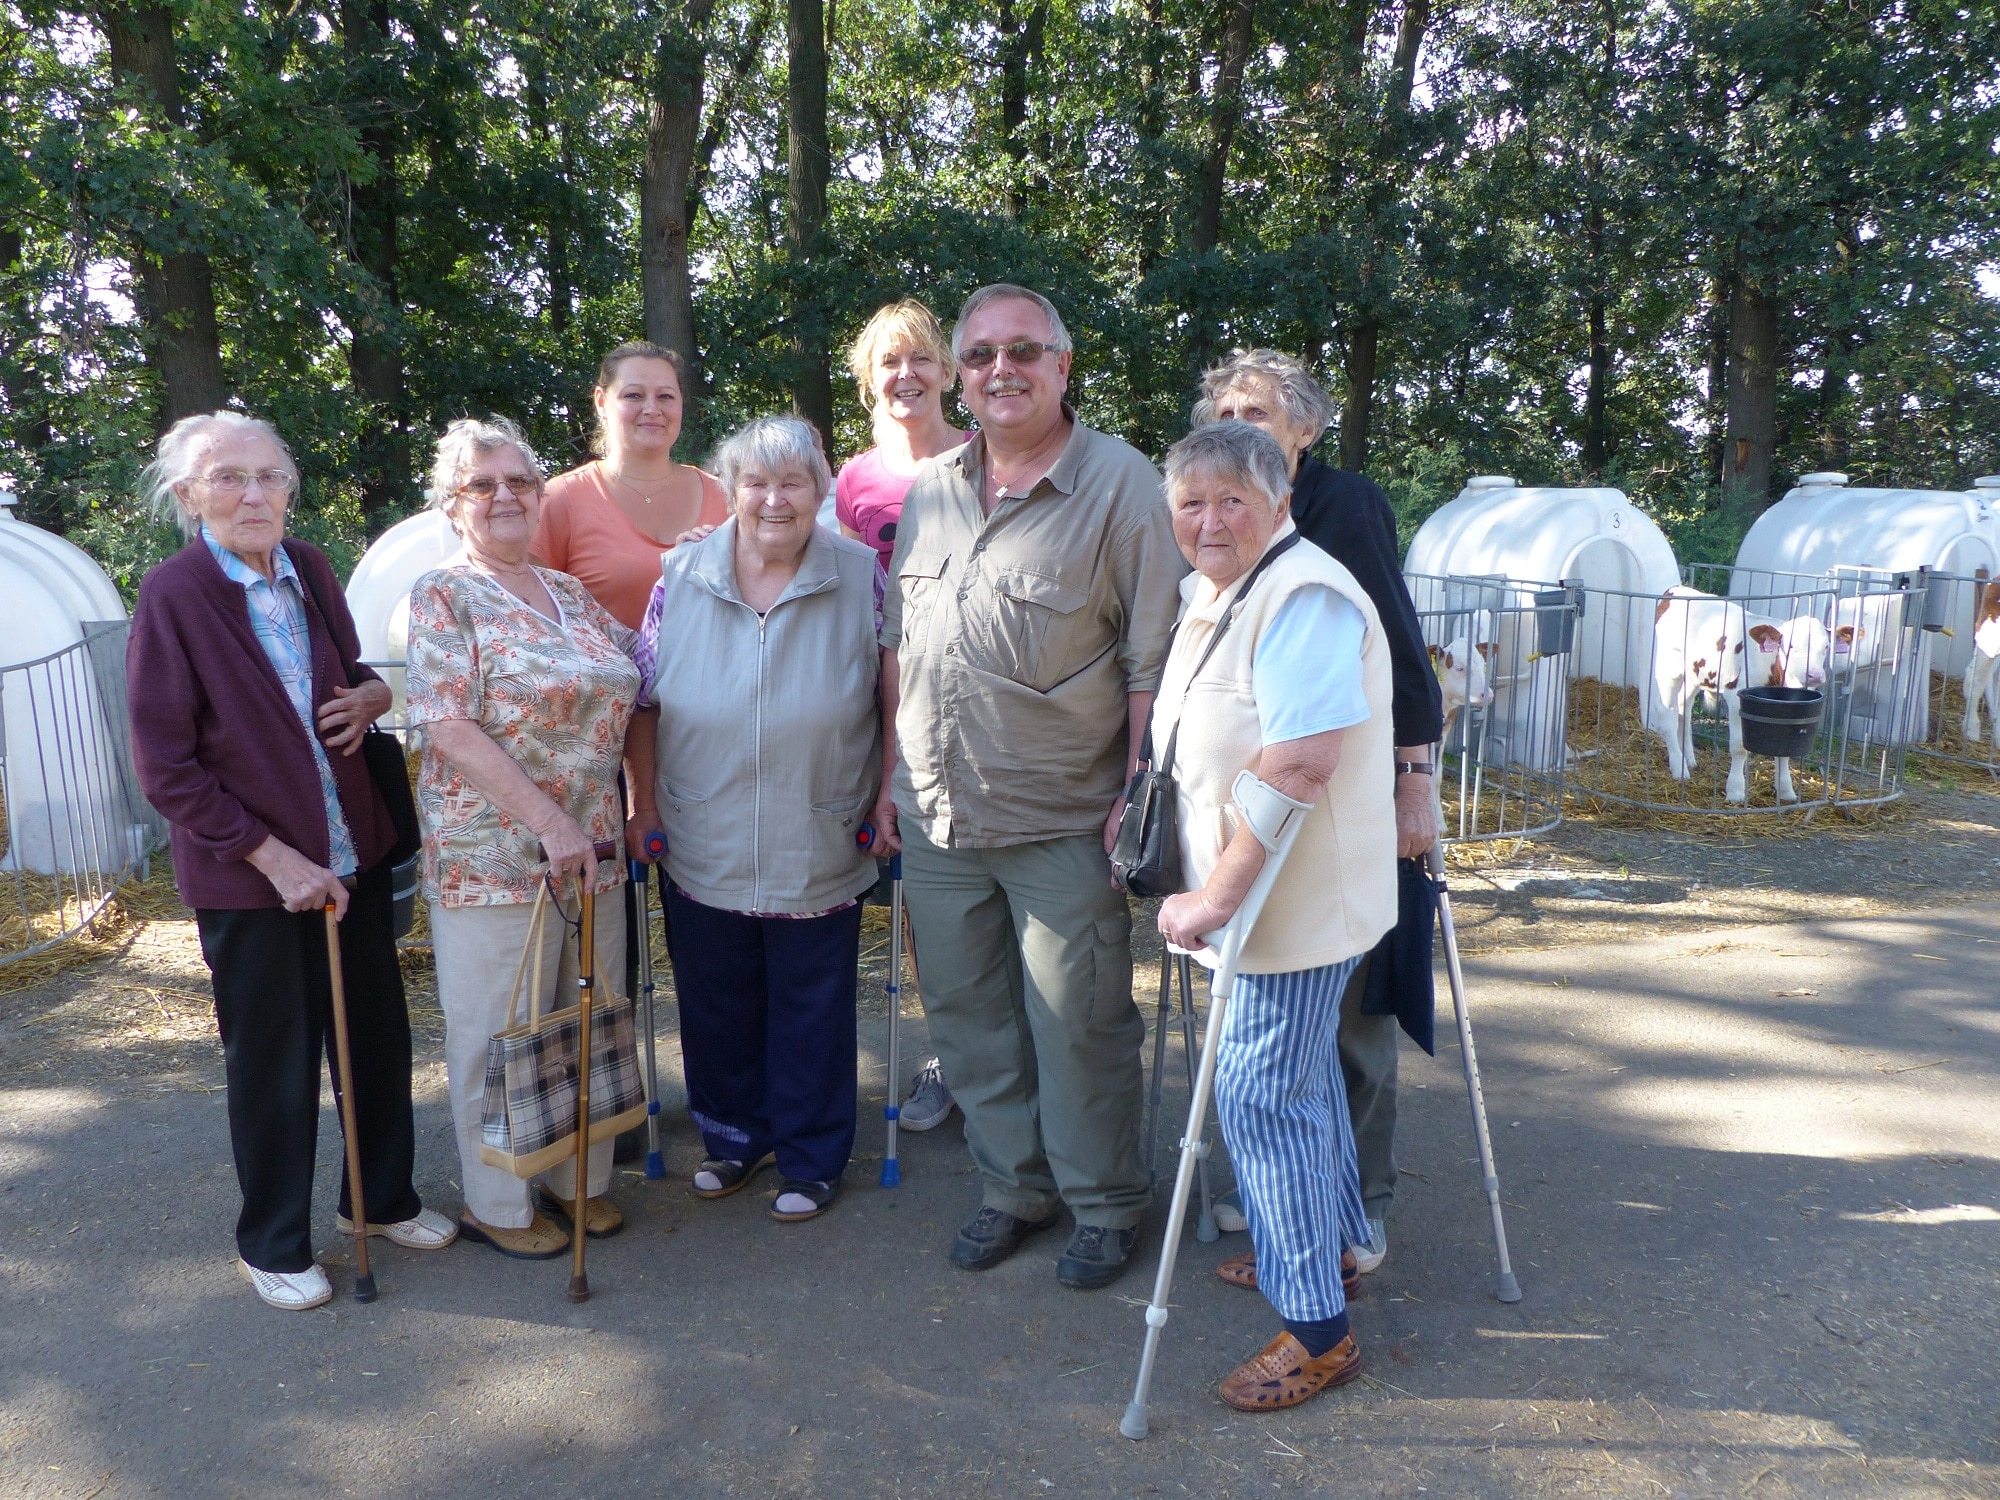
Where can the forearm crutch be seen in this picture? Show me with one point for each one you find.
(892, 1111)
(1505, 1287)
(642, 879)
(343, 1062)
(1172, 964)
(1228, 946)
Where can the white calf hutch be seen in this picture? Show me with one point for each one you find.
(1509, 568)
(73, 824)
(1613, 681)
(379, 592)
(1872, 541)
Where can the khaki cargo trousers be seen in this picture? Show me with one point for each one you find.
(1025, 955)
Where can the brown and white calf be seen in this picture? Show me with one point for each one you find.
(1982, 681)
(1703, 645)
(1461, 670)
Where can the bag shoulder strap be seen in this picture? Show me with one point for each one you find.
(533, 941)
(1270, 556)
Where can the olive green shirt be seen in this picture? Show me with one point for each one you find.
(1018, 637)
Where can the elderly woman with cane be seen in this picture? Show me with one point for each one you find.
(522, 689)
(1279, 667)
(762, 743)
(248, 704)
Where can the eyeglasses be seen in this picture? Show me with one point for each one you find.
(1020, 352)
(236, 481)
(483, 489)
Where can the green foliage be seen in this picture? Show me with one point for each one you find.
(1552, 162)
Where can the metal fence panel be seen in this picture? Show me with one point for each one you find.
(73, 823)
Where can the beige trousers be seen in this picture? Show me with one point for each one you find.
(477, 949)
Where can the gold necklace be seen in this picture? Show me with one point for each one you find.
(619, 475)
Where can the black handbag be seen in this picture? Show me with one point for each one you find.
(383, 754)
(1146, 856)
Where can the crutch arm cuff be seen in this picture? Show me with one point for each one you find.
(1265, 809)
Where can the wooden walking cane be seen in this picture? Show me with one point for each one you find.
(364, 1279)
(586, 984)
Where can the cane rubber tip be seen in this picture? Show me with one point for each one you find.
(364, 1288)
(892, 1173)
(1134, 1425)
(1205, 1230)
(1508, 1289)
(656, 1168)
(579, 1289)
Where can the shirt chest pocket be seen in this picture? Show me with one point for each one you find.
(921, 581)
(1041, 630)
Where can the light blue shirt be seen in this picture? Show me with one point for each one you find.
(1306, 678)
(278, 615)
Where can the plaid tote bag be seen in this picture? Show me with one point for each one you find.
(528, 1118)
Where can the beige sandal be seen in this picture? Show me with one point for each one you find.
(541, 1239)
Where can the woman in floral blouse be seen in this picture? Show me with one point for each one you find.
(522, 687)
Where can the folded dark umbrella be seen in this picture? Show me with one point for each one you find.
(1400, 982)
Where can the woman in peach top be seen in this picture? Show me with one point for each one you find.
(608, 523)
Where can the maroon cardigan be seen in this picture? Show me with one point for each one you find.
(220, 752)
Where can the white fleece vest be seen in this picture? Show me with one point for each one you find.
(1337, 893)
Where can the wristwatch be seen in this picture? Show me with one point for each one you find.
(1415, 768)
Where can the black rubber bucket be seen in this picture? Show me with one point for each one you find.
(403, 882)
(1780, 721)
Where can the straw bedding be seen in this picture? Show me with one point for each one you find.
(1616, 762)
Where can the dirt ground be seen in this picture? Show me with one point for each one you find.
(1745, 1093)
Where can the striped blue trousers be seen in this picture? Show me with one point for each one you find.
(1283, 1105)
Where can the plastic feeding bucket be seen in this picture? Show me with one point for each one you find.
(1780, 721)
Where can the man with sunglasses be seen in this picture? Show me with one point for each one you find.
(1033, 588)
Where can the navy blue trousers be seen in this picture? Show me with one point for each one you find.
(767, 1033)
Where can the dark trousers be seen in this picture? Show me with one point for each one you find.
(273, 1004)
(767, 1033)
(1368, 1066)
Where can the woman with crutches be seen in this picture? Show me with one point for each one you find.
(248, 706)
(760, 735)
(1279, 668)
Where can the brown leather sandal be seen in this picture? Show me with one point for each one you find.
(1283, 1374)
(1241, 1270)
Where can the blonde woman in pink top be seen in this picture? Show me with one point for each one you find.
(902, 365)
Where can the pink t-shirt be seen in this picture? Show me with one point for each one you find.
(868, 499)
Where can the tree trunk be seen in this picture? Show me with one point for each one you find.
(374, 352)
(1717, 404)
(1752, 423)
(808, 165)
(1595, 447)
(1385, 183)
(673, 122)
(1020, 45)
(176, 293)
(1354, 409)
(1225, 115)
(27, 397)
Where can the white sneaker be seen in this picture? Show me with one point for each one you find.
(930, 1101)
(1367, 1257)
(294, 1291)
(429, 1230)
(1229, 1213)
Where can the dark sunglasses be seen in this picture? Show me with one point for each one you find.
(1020, 352)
